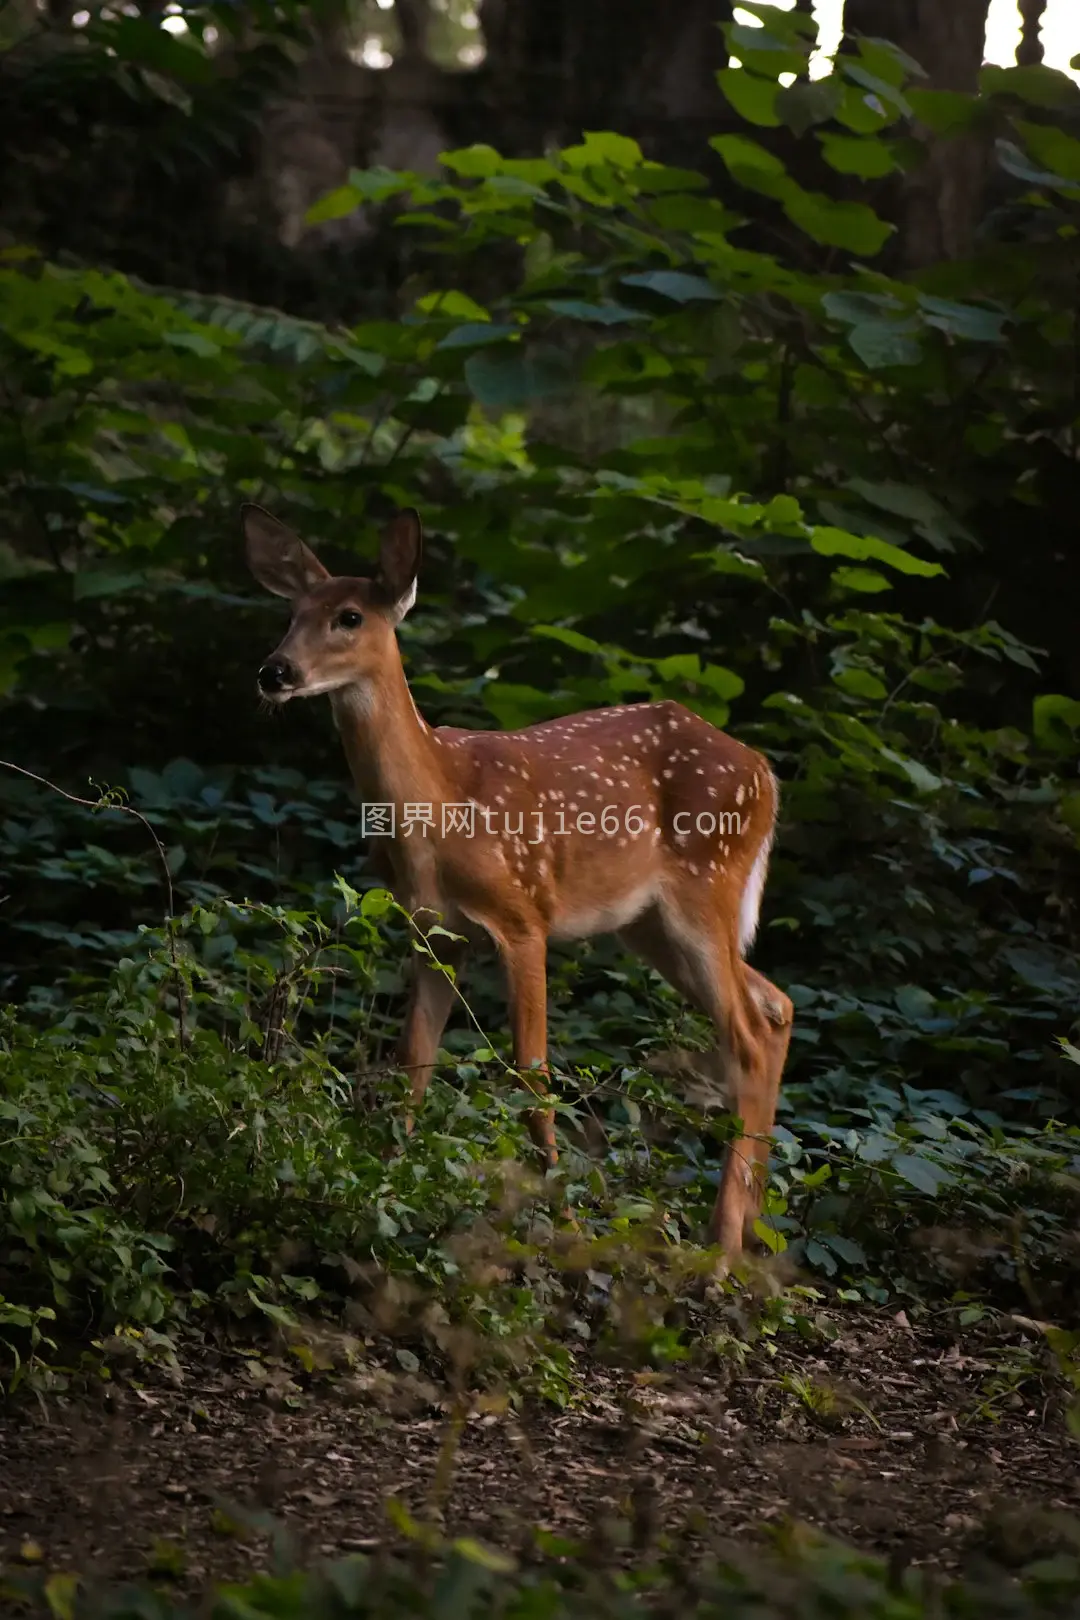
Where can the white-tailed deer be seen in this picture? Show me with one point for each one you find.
(641, 820)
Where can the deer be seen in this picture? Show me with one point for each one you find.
(641, 820)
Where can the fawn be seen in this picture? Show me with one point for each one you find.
(641, 820)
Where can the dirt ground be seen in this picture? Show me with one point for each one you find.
(880, 1437)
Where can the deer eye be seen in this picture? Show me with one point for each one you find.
(348, 620)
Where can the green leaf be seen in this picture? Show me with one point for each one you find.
(867, 157)
(766, 53)
(605, 314)
(855, 307)
(867, 580)
(783, 21)
(1018, 164)
(914, 1002)
(376, 903)
(674, 284)
(944, 112)
(888, 96)
(335, 205)
(724, 561)
(810, 101)
(453, 304)
(861, 682)
(925, 1175)
(499, 1563)
(903, 500)
(1039, 85)
(832, 542)
(195, 342)
(603, 147)
(741, 154)
(1051, 146)
(849, 225)
(753, 98)
(474, 333)
(885, 343)
(1056, 720)
(472, 162)
(505, 379)
(971, 321)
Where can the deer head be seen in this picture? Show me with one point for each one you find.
(342, 629)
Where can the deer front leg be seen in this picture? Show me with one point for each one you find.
(525, 960)
(431, 998)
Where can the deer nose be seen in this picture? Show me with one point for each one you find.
(277, 675)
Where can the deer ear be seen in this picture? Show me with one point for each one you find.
(399, 563)
(279, 559)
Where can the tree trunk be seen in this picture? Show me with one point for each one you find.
(939, 204)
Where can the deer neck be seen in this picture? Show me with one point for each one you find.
(391, 751)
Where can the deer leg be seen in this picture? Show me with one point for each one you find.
(752, 1019)
(525, 960)
(758, 1041)
(430, 1001)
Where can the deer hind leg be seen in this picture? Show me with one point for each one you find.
(752, 1019)
(525, 960)
(758, 1052)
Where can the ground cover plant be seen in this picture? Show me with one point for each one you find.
(656, 459)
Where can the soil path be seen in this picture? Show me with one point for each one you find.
(880, 1438)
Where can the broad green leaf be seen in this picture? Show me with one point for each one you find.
(764, 52)
(739, 152)
(861, 682)
(944, 111)
(888, 97)
(1052, 147)
(849, 225)
(473, 162)
(499, 1563)
(832, 542)
(753, 98)
(904, 500)
(1039, 85)
(886, 59)
(195, 342)
(452, 304)
(808, 102)
(783, 21)
(1056, 720)
(1018, 164)
(855, 307)
(915, 1002)
(925, 1175)
(885, 343)
(704, 216)
(674, 284)
(473, 333)
(867, 157)
(335, 205)
(867, 580)
(605, 314)
(722, 561)
(604, 147)
(918, 775)
(971, 321)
